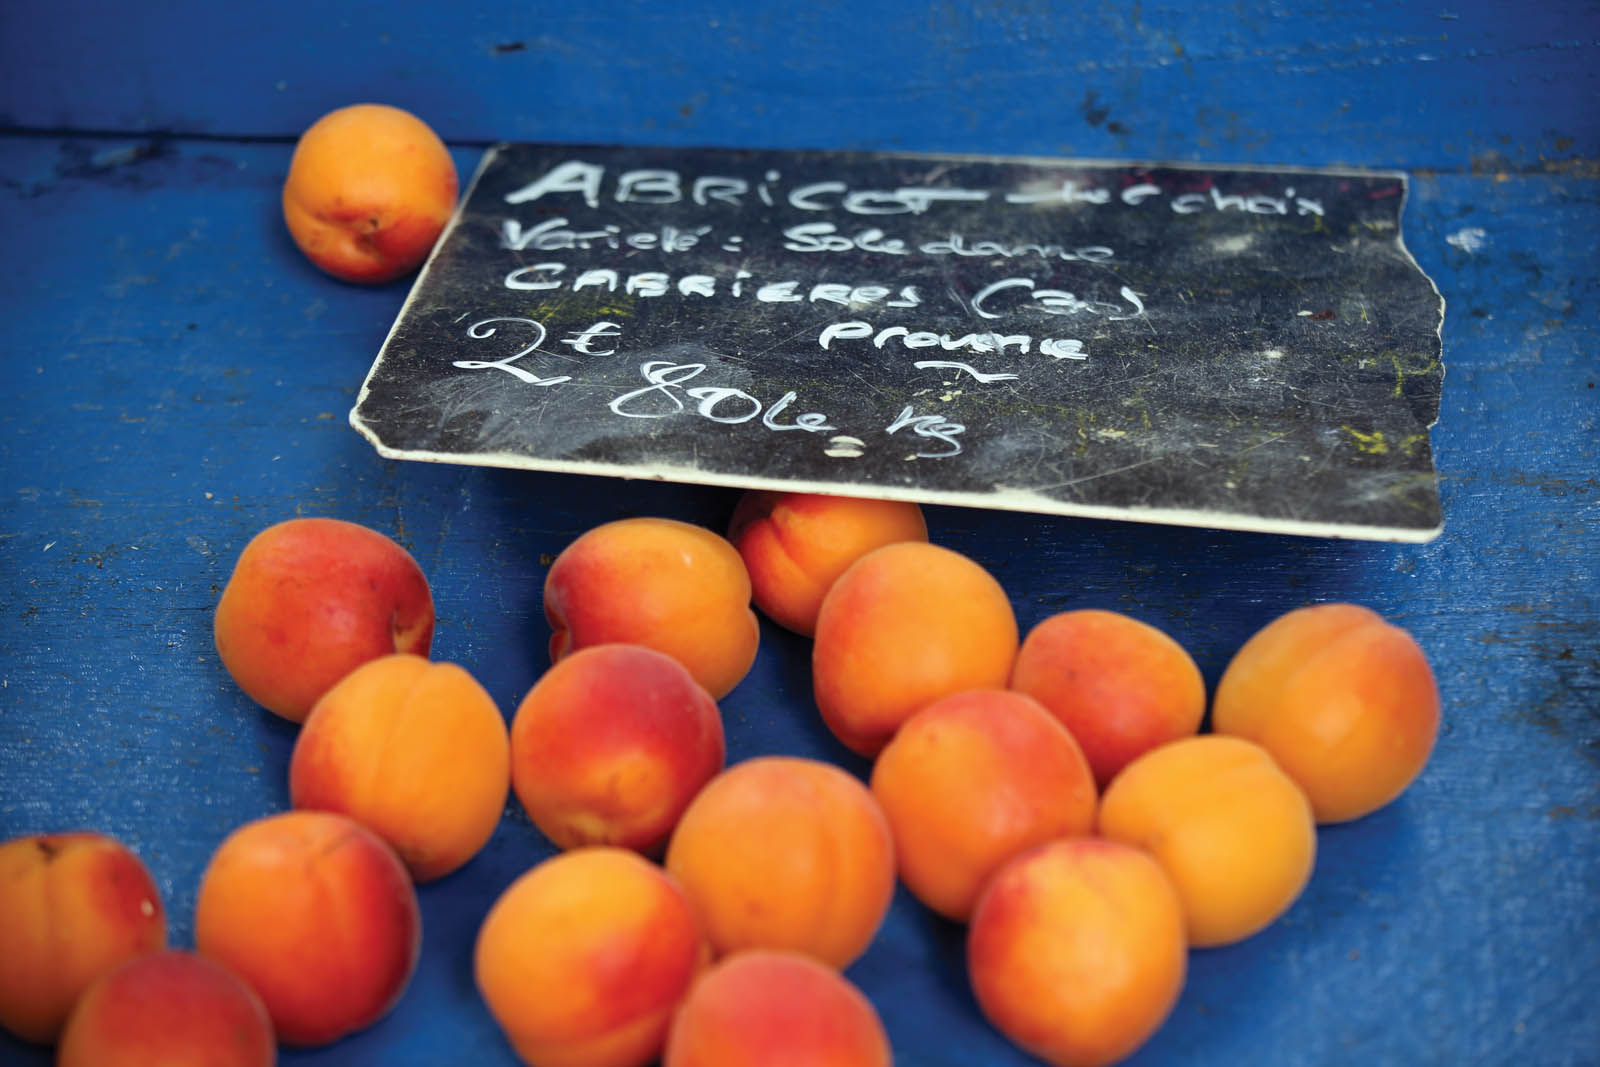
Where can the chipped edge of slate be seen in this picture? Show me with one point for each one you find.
(1001, 499)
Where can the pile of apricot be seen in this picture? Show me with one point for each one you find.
(1052, 790)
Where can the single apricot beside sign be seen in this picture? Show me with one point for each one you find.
(370, 188)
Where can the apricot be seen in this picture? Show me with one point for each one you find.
(795, 545)
(1120, 685)
(783, 852)
(584, 958)
(318, 914)
(369, 190)
(777, 1009)
(972, 780)
(168, 1009)
(1344, 701)
(671, 586)
(309, 601)
(416, 752)
(72, 906)
(611, 744)
(1076, 951)
(905, 625)
(1232, 831)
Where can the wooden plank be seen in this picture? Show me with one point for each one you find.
(176, 377)
(1447, 86)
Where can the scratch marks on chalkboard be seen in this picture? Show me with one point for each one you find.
(1097, 475)
(1270, 440)
(781, 342)
(862, 379)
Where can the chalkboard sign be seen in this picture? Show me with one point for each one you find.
(1223, 347)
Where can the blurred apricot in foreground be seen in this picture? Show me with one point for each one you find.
(611, 744)
(415, 751)
(1120, 685)
(72, 907)
(168, 1009)
(318, 914)
(668, 585)
(972, 780)
(1232, 831)
(369, 190)
(1076, 951)
(796, 545)
(1344, 701)
(776, 1009)
(905, 625)
(584, 958)
(781, 852)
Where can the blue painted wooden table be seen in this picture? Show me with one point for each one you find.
(176, 377)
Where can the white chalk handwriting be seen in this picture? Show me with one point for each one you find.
(928, 268)
(998, 343)
(718, 403)
(1021, 292)
(665, 186)
(539, 277)
(483, 328)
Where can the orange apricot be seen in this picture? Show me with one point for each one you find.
(905, 625)
(611, 744)
(1232, 831)
(584, 958)
(318, 915)
(416, 752)
(777, 1009)
(671, 586)
(972, 780)
(1344, 701)
(369, 190)
(72, 907)
(168, 1009)
(1076, 951)
(795, 545)
(1120, 685)
(783, 852)
(312, 599)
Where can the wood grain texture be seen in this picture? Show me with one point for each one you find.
(176, 377)
(1298, 82)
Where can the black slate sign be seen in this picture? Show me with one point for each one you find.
(1224, 347)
